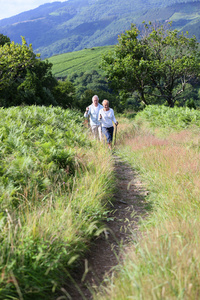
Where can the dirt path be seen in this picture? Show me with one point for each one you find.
(128, 207)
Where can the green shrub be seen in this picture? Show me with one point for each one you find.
(177, 117)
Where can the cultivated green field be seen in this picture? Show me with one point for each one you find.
(78, 61)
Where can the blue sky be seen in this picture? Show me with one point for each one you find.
(9, 8)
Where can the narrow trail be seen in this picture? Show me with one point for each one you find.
(129, 206)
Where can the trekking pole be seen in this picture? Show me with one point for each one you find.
(115, 135)
(100, 121)
(88, 119)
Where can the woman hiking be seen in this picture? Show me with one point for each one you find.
(107, 117)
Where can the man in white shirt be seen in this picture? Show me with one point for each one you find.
(93, 112)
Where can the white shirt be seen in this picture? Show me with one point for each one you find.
(108, 117)
(93, 113)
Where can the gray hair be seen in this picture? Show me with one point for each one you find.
(96, 97)
(105, 100)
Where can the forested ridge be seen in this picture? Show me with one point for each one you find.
(73, 25)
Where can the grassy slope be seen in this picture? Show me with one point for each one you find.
(53, 193)
(166, 263)
(78, 61)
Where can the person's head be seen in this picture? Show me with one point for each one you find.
(95, 100)
(105, 104)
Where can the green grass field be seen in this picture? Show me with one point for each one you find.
(78, 61)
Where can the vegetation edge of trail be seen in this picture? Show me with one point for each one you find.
(53, 198)
(165, 262)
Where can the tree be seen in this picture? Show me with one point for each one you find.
(24, 78)
(85, 99)
(64, 93)
(4, 39)
(158, 64)
(92, 83)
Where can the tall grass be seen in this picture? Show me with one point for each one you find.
(166, 262)
(167, 117)
(53, 193)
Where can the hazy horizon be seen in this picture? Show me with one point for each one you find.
(11, 8)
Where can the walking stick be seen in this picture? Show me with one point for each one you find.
(88, 119)
(115, 134)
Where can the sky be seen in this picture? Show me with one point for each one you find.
(9, 8)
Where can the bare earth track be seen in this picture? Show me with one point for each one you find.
(129, 206)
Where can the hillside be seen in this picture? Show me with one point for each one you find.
(56, 28)
(77, 61)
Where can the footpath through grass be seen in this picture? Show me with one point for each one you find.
(53, 196)
(165, 264)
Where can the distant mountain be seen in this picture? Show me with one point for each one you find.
(60, 27)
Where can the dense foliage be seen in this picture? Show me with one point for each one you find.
(4, 40)
(159, 65)
(92, 83)
(24, 78)
(36, 149)
(50, 202)
(177, 117)
(65, 94)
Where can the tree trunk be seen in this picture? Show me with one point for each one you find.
(170, 102)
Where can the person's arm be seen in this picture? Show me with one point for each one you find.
(87, 112)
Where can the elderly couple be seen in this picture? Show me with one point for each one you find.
(101, 119)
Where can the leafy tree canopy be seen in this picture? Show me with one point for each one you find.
(157, 63)
(64, 92)
(4, 39)
(92, 83)
(24, 78)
